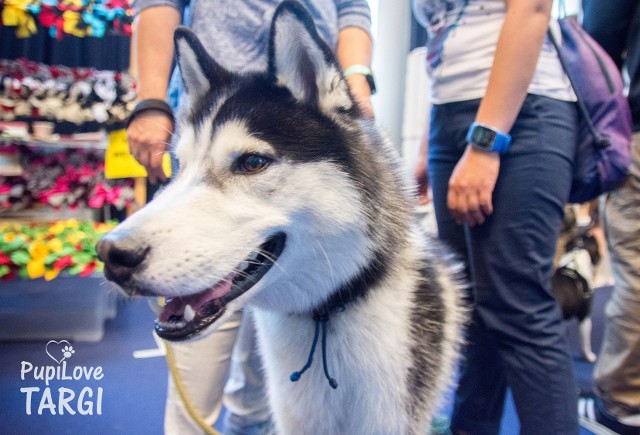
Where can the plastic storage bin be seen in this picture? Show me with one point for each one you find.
(71, 308)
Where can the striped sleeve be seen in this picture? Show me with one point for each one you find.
(354, 13)
(140, 5)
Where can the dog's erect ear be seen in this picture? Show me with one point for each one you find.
(198, 70)
(301, 61)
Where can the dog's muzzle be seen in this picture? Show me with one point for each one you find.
(186, 316)
(120, 263)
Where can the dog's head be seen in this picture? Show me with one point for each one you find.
(582, 239)
(270, 203)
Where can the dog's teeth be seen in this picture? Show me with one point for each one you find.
(172, 325)
(189, 313)
(243, 266)
(254, 255)
(179, 325)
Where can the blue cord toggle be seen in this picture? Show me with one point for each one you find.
(295, 376)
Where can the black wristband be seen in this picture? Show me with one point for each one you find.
(151, 104)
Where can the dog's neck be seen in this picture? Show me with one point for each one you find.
(356, 288)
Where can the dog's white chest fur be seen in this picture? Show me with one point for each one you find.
(370, 378)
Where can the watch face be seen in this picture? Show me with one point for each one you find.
(483, 137)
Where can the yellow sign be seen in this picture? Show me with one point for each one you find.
(119, 163)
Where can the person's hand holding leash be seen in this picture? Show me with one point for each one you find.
(149, 135)
(471, 186)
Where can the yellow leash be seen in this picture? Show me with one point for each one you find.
(191, 409)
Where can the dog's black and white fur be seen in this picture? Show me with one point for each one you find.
(290, 202)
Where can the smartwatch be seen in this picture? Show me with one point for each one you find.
(488, 138)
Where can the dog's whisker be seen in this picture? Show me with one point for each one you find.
(273, 260)
(158, 124)
(266, 255)
(282, 269)
(326, 256)
(162, 143)
(241, 273)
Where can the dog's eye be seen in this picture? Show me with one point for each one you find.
(252, 163)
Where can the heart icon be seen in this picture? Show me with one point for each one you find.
(56, 347)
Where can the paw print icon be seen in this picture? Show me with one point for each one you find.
(67, 351)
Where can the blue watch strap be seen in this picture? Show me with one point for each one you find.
(488, 138)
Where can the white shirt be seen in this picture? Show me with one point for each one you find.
(462, 42)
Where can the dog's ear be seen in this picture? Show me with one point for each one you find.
(301, 61)
(198, 70)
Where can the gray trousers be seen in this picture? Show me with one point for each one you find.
(617, 371)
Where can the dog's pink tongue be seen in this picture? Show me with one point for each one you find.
(176, 305)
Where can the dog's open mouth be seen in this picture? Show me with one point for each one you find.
(185, 316)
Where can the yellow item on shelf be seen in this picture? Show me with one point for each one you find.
(16, 14)
(119, 163)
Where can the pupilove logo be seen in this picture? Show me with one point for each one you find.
(74, 399)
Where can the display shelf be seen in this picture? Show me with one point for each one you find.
(70, 307)
(47, 214)
(80, 140)
(67, 308)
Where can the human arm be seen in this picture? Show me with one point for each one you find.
(354, 48)
(519, 43)
(150, 132)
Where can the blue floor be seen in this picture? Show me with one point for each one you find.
(128, 397)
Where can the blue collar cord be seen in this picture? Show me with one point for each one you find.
(318, 319)
(355, 289)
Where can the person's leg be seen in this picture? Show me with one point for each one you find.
(202, 366)
(482, 386)
(617, 371)
(481, 389)
(245, 396)
(512, 258)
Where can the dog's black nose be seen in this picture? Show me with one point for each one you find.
(119, 262)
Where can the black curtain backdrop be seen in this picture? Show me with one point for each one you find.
(110, 52)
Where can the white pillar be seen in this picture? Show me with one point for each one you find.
(391, 46)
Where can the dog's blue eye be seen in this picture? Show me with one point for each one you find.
(252, 163)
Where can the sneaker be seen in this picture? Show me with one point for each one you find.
(594, 417)
(587, 415)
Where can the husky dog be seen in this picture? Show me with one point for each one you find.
(290, 202)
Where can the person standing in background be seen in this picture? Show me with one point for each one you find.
(615, 25)
(500, 162)
(235, 33)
